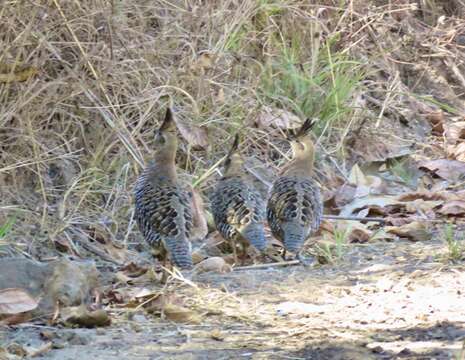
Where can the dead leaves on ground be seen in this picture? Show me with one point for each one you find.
(196, 136)
(276, 119)
(15, 306)
(450, 170)
(14, 301)
(159, 303)
(415, 231)
(409, 215)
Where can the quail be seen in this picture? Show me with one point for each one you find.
(238, 208)
(163, 209)
(295, 208)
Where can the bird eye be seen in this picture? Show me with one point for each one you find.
(159, 138)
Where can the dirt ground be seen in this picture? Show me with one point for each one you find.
(382, 301)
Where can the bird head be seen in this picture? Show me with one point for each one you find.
(302, 146)
(165, 137)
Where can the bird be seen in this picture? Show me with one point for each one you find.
(295, 207)
(163, 207)
(238, 209)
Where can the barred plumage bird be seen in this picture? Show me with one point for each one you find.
(162, 206)
(238, 208)
(295, 207)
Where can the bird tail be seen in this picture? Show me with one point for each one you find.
(180, 252)
(294, 237)
(255, 235)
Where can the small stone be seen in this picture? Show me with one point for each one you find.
(377, 350)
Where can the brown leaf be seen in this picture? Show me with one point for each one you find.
(451, 170)
(354, 232)
(80, 316)
(213, 264)
(216, 334)
(276, 118)
(422, 205)
(457, 152)
(455, 132)
(15, 319)
(365, 184)
(134, 270)
(15, 301)
(423, 195)
(436, 119)
(415, 231)
(456, 207)
(181, 314)
(197, 137)
(371, 202)
(199, 220)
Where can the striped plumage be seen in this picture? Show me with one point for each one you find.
(162, 206)
(295, 208)
(238, 208)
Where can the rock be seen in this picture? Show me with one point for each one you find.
(67, 282)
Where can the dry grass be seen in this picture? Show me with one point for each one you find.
(74, 136)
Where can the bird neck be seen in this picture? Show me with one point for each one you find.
(304, 158)
(234, 166)
(163, 164)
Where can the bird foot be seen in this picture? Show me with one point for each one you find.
(306, 261)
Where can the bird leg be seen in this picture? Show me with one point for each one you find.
(165, 264)
(243, 254)
(233, 245)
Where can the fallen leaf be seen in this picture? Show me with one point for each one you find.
(372, 202)
(134, 270)
(381, 234)
(213, 264)
(423, 195)
(436, 119)
(455, 132)
(456, 207)
(276, 118)
(216, 334)
(15, 319)
(199, 220)
(344, 195)
(365, 184)
(451, 170)
(359, 235)
(180, 314)
(422, 205)
(353, 232)
(80, 316)
(457, 152)
(415, 231)
(196, 136)
(14, 301)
